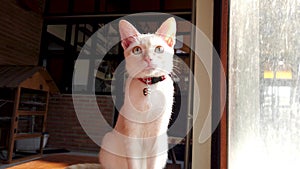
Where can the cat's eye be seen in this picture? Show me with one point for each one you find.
(159, 49)
(137, 50)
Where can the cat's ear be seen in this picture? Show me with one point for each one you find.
(128, 33)
(168, 31)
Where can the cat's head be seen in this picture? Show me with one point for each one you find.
(148, 54)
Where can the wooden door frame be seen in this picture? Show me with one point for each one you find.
(219, 146)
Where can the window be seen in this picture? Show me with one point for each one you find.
(64, 42)
(69, 24)
(264, 92)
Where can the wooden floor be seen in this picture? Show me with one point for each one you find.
(59, 161)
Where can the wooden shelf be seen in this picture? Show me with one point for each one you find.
(27, 135)
(33, 103)
(23, 109)
(31, 113)
(5, 118)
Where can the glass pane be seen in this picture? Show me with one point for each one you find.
(264, 92)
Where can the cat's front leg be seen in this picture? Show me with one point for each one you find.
(157, 162)
(112, 154)
(157, 152)
(135, 153)
(135, 163)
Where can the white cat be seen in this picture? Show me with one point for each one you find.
(139, 139)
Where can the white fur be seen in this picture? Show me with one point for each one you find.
(139, 139)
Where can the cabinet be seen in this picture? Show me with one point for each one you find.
(24, 95)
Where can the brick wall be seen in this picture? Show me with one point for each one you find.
(63, 125)
(20, 34)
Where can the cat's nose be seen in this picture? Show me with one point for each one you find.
(148, 59)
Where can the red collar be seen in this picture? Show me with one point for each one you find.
(152, 80)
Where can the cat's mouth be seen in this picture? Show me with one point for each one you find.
(152, 70)
(149, 71)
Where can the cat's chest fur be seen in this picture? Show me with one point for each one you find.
(139, 139)
(146, 116)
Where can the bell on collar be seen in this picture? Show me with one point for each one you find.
(146, 91)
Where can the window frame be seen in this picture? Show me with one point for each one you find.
(219, 149)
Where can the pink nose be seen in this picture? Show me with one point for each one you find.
(148, 59)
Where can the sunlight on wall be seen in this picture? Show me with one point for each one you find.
(264, 92)
(201, 151)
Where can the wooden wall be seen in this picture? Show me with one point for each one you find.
(20, 33)
(63, 126)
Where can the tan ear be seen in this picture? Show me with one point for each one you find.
(168, 31)
(127, 32)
